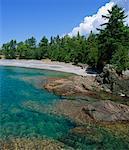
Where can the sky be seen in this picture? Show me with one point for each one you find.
(90, 23)
(21, 19)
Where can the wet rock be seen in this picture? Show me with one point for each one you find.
(30, 144)
(36, 106)
(94, 136)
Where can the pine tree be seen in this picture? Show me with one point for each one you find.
(92, 50)
(111, 37)
(42, 51)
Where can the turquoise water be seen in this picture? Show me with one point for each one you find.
(19, 86)
(21, 95)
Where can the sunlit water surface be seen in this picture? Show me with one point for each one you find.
(20, 89)
(19, 85)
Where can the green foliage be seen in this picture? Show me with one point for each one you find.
(31, 43)
(9, 49)
(92, 49)
(114, 39)
(120, 59)
(111, 45)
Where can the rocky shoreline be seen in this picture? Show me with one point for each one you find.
(73, 85)
(111, 82)
(100, 115)
(107, 81)
(87, 103)
(104, 105)
(96, 111)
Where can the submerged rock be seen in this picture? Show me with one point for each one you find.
(36, 106)
(98, 137)
(30, 144)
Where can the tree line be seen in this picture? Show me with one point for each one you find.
(109, 46)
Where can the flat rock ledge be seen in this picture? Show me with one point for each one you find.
(83, 111)
(72, 85)
(99, 111)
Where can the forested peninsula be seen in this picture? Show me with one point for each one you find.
(43, 109)
(109, 46)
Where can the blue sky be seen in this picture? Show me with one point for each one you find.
(22, 19)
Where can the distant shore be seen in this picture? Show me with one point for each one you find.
(46, 64)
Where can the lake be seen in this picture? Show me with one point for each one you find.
(18, 86)
(25, 113)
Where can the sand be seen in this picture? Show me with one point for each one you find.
(46, 64)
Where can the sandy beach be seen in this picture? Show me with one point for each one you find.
(46, 64)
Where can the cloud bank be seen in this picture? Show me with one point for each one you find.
(90, 23)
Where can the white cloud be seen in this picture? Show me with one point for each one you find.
(90, 23)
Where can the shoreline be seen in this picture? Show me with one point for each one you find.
(46, 65)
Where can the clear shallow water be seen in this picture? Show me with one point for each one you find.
(18, 86)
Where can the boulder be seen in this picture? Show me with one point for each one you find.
(111, 82)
